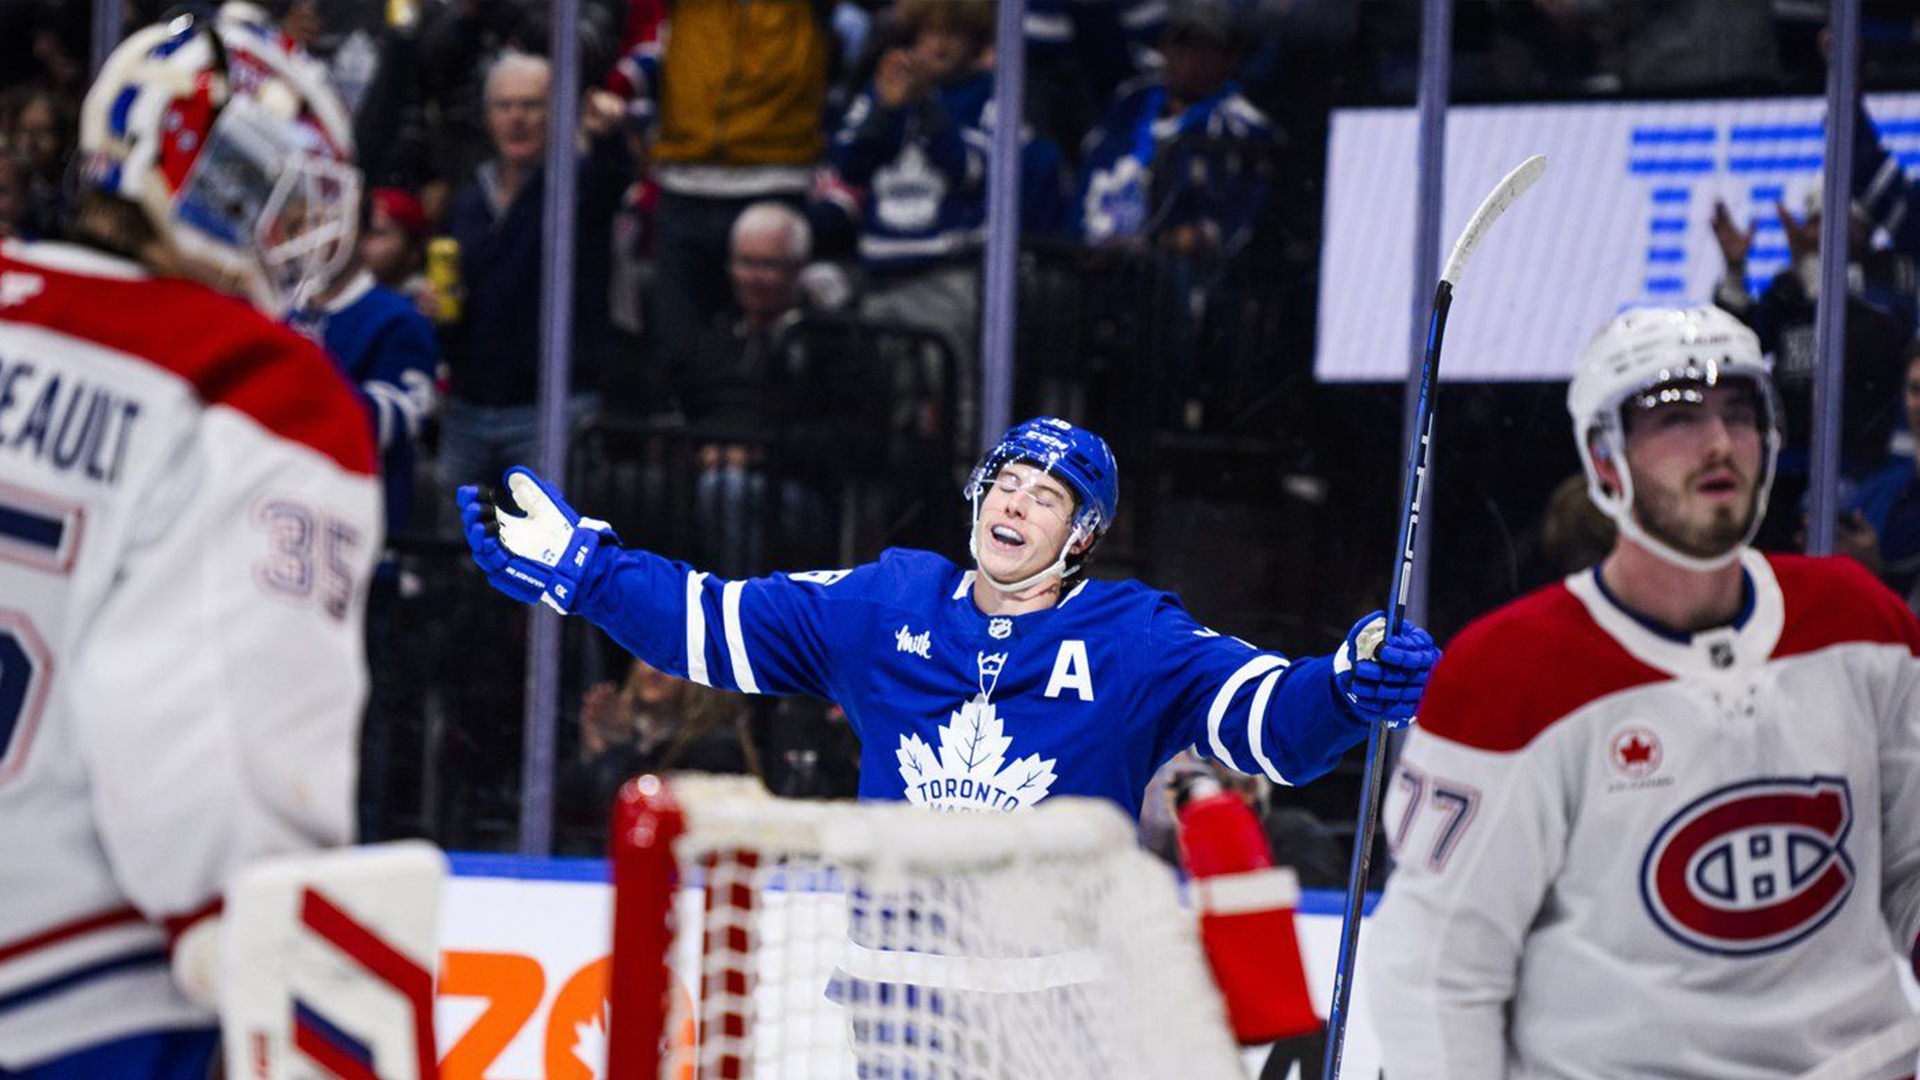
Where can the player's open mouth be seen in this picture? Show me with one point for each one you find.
(1006, 536)
(1718, 485)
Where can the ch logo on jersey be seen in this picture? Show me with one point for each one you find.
(1752, 867)
(970, 771)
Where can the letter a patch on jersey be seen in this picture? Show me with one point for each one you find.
(1071, 671)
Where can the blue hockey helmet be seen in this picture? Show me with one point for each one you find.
(1077, 457)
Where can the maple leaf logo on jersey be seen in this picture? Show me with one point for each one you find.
(971, 771)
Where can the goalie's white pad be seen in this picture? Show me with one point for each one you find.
(327, 964)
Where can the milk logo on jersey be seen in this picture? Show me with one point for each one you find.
(1752, 866)
(970, 771)
(920, 644)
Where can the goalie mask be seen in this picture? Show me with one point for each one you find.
(1648, 357)
(1074, 456)
(235, 149)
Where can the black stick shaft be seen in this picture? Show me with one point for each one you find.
(1413, 487)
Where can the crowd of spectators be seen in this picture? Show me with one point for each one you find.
(749, 174)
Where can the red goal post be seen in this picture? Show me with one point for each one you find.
(762, 937)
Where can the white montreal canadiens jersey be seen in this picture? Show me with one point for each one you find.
(187, 522)
(1627, 853)
(956, 709)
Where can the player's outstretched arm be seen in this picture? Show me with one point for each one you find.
(1256, 711)
(768, 635)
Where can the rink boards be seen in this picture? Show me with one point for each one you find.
(524, 967)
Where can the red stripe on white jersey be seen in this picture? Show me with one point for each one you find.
(232, 354)
(67, 931)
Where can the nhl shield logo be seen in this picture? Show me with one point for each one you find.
(1753, 866)
(999, 628)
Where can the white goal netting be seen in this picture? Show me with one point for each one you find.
(886, 941)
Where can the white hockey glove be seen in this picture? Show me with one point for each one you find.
(536, 548)
(1383, 679)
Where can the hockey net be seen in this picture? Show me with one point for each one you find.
(761, 937)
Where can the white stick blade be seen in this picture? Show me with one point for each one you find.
(1514, 185)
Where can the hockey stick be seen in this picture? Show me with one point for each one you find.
(1413, 486)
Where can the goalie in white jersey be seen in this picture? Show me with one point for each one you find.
(188, 518)
(1661, 819)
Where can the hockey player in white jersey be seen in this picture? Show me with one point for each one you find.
(984, 688)
(188, 518)
(1663, 818)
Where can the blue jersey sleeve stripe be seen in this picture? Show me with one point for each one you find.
(1224, 699)
(1257, 722)
(696, 630)
(736, 637)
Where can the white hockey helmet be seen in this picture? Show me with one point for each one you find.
(235, 148)
(1650, 356)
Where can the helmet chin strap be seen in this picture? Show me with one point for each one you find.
(1059, 568)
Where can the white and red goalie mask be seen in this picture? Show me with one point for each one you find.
(235, 148)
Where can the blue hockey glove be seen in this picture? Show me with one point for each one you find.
(537, 548)
(1383, 680)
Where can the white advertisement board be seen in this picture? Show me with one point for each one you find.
(1620, 218)
(524, 969)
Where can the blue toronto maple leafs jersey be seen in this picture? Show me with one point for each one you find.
(958, 709)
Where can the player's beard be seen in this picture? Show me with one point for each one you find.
(1659, 511)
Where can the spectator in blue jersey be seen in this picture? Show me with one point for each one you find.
(989, 687)
(389, 351)
(393, 245)
(916, 142)
(1880, 521)
(1177, 161)
(490, 418)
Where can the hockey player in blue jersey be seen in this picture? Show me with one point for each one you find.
(988, 688)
